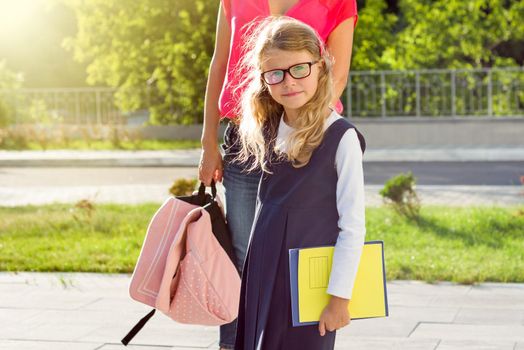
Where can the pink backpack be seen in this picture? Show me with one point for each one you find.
(183, 270)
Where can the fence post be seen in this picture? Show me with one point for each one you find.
(98, 111)
(77, 107)
(490, 94)
(348, 98)
(417, 91)
(453, 92)
(17, 106)
(55, 101)
(383, 93)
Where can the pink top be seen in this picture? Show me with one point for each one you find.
(323, 15)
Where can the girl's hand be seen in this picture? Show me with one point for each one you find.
(334, 316)
(210, 166)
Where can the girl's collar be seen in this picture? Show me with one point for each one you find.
(285, 125)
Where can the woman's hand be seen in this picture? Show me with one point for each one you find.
(334, 316)
(210, 166)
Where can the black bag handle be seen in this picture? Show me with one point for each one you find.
(137, 328)
(202, 190)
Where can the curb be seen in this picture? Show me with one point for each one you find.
(190, 158)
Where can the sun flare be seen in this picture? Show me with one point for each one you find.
(17, 15)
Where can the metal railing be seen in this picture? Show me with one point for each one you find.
(413, 93)
(66, 106)
(437, 92)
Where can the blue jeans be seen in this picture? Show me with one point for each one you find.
(241, 194)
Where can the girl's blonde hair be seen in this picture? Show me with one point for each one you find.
(260, 113)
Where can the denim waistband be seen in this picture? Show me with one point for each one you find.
(231, 145)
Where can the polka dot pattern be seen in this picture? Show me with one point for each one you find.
(196, 300)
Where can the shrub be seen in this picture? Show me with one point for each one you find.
(15, 138)
(42, 136)
(83, 211)
(399, 192)
(84, 130)
(3, 137)
(4, 115)
(116, 140)
(134, 136)
(66, 135)
(183, 187)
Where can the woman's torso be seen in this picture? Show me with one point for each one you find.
(322, 15)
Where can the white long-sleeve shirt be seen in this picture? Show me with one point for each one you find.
(350, 206)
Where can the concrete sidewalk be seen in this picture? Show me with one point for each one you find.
(93, 311)
(141, 193)
(191, 157)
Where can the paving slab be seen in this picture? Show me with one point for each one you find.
(423, 314)
(429, 289)
(158, 335)
(379, 327)
(9, 316)
(46, 300)
(468, 332)
(46, 331)
(383, 343)
(475, 345)
(489, 316)
(486, 301)
(507, 289)
(46, 345)
(103, 313)
(142, 347)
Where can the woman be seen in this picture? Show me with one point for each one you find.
(334, 20)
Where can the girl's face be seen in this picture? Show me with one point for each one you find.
(291, 93)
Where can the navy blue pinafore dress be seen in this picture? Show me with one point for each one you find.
(297, 208)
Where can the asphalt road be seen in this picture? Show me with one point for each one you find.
(448, 173)
(376, 173)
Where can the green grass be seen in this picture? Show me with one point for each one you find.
(64, 238)
(108, 145)
(465, 245)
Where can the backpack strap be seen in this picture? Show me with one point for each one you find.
(134, 331)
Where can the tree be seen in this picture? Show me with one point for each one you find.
(8, 79)
(456, 34)
(156, 52)
(373, 34)
(9, 82)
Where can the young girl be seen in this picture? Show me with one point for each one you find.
(311, 192)
(335, 21)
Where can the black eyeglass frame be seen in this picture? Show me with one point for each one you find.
(288, 71)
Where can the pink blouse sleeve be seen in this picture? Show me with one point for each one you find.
(347, 9)
(226, 6)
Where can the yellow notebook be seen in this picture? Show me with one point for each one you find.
(309, 273)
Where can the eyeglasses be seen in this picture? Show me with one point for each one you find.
(297, 71)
